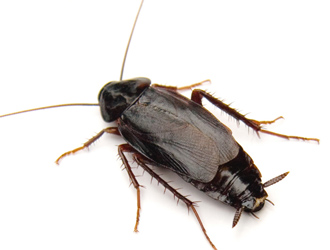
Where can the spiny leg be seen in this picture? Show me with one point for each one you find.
(188, 87)
(142, 161)
(127, 148)
(268, 122)
(121, 149)
(198, 94)
(110, 130)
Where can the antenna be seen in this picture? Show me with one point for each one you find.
(52, 106)
(84, 104)
(129, 42)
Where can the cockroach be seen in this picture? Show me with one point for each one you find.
(162, 128)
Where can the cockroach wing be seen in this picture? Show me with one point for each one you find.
(178, 134)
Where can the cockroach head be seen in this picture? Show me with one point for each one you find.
(116, 96)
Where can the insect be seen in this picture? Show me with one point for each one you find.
(138, 94)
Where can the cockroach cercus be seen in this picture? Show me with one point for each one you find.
(164, 129)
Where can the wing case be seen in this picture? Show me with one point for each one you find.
(177, 133)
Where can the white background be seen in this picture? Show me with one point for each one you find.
(270, 58)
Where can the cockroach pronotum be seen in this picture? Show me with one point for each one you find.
(164, 129)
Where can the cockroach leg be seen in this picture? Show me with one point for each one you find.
(127, 148)
(142, 161)
(198, 94)
(188, 87)
(268, 122)
(194, 85)
(289, 136)
(110, 130)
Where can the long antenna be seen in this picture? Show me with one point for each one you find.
(52, 106)
(129, 42)
(85, 104)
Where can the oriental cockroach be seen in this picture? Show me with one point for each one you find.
(120, 101)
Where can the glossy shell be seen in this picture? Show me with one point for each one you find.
(178, 134)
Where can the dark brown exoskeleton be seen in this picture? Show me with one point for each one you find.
(165, 129)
